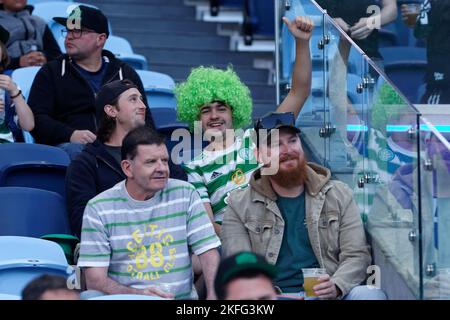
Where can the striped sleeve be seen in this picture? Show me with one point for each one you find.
(95, 250)
(195, 177)
(200, 231)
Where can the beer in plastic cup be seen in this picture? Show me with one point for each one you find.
(311, 278)
(413, 10)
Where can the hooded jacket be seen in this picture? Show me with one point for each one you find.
(63, 101)
(253, 222)
(27, 33)
(93, 171)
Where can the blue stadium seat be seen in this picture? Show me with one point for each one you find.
(258, 20)
(387, 38)
(33, 165)
(123, 50)
(24, 77)
(5, 296)
(404, 54)
(33, 2)
(32, 212)
(405, 67)
(127, 297)
(22, 259)
(166, 119)
(408, 77)
(158, 88)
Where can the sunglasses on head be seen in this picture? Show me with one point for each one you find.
(275, 120)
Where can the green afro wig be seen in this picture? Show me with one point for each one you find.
(206, 85)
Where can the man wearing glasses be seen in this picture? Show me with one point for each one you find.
(62, 96)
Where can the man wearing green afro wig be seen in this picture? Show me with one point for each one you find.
(220, 102)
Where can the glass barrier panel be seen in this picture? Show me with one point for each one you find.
(435, 204)
(312, 115)
(344, 105)
(391, 178)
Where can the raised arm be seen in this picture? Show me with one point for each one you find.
(301, 28)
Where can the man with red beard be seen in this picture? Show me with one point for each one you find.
(295, 216)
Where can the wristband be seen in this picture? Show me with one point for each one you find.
(18, 94)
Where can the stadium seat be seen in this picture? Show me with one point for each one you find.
(123, 50)
(22, 259)
(158, 88)
(166, 119)
(127, 297)
(405, 67)
(408, 77)
(33, 2)
(33, 165)
(24, 77)
(32, 212)
(258, 20)
(4, 296)
(387, 38)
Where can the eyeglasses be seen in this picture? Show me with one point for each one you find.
(76, 33)
(274, 120)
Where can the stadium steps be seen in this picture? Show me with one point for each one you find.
(167, 34)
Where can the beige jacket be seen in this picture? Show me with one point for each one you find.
(253, 222)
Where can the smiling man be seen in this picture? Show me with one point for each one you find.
(119, 109)
(299, 218)
(62, 96)
(220, 102)
(137, 236)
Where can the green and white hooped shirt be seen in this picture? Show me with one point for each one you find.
(216, 173)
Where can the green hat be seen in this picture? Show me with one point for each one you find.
(240, 262)
(207, 85)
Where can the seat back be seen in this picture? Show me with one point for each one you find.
(24, 77)
(32, 212)
(158, 88)
(262, 15)
(127, 297)
(408, 77)
(34, 166)
(22, 259)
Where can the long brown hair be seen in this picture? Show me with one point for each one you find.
(5, 57)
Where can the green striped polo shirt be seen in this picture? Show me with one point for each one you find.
(216, 173)
(144, 243)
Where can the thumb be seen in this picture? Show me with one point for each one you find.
(286, 21)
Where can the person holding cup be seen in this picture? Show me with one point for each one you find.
(433, 26)
(15, 114)
(297, 217)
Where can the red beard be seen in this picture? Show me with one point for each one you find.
(292, 176)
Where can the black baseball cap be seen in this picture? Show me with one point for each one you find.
(109, 92)
(241, 262)
(4, 35)
(275, 120)
(85, 17)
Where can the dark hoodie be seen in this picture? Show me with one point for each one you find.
(92, 172)
(63, 101)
